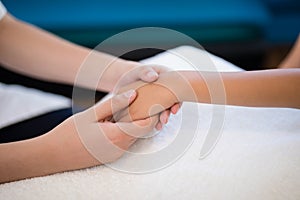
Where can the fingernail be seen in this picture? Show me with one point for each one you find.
(152, 74)
(165, 120)
(158, 127)
(129, 93)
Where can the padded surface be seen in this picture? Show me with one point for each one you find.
(19, 103)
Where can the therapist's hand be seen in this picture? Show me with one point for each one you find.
(83, 140)
(104, 140)
(148, 74)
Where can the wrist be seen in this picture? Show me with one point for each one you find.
(179, 84)
(65, 150)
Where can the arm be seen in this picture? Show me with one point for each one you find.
(43, 155)
(292, 60)
(42, 55)
(31, 51)
(269, 88)
(83, 140)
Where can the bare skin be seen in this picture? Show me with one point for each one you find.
(267, 88)
(45, 56)
(293, 59)
(42, 55)
(28, 50)
(63, 149)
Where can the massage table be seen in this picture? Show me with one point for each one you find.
(255, 156)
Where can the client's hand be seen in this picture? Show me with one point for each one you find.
(152, 98)
(148, 74)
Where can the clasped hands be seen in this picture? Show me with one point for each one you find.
(109, 128)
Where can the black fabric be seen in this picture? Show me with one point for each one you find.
(34, 127)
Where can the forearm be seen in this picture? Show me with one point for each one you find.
(292, 60)
(20, 160)
(51, 153)
(268, 88)
(29, 50)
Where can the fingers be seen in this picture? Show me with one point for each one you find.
(151, 73)
(163, 119)
(164, 116)
(139, 128)
(148, 74)
(125, 134)
(115, 104)
(175, 108)
(160, 69)
(159, 126)
(108, 141)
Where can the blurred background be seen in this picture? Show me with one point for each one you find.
(253, 34)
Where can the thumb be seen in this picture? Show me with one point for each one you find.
(148, 74)
(138, 129)
(107, 108)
